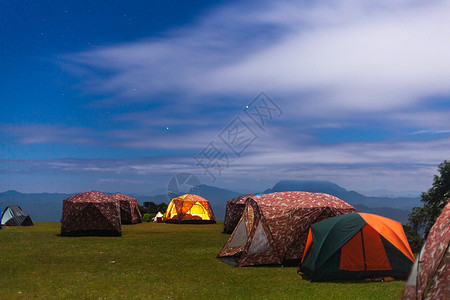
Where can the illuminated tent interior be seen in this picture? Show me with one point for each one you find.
(189, 208)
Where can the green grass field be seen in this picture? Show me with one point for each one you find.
(151, 261)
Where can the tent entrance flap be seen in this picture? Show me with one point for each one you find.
(92, 212)
(352, 256)
(376, 258)
(172, 210)
(260, 243)
(240, 236)
(364, 252)
(198, 210)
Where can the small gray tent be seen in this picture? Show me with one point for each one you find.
(14, 216)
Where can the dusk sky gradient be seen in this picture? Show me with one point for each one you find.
(120, 96)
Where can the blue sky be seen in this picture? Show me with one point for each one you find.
(122, 96)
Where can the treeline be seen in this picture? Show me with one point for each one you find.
(421, 219)
(150, 209)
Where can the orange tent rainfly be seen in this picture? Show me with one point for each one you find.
(355, 246)
(189, 209)
(430, 274)
(273, 228)
(129, 210)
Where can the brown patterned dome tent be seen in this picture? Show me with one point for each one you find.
(129, 209)
(273, 228)
(91, 213)
(235, 209)
(430, 274)
(189, 209)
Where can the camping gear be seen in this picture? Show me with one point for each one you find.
(189, 208)
(273, 227)
(430, 274)
(158, 218)
(91, 213)
(235, 209)
(129, 209)
(14, 216)
(356, 246)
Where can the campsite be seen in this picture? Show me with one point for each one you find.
(153, 261)
(225, 149)
(285, 244)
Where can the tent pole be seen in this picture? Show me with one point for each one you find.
(364, 251)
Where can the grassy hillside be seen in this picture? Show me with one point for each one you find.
(151, 261)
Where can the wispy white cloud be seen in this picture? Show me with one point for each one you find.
(352, 55)
(427, 152)
(27, 133)
(431, 132)
(163, 137)
(394, 165)
(371, 60)
(328, 65)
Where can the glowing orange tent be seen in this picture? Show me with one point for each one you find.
(189, 209)
(355, 246)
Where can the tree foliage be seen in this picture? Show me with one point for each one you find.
(434, 200)
(152, 208)
(414, 239)
(148, 217)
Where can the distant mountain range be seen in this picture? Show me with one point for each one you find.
(47, 207)
(390, 194)
(43, 207)
(351, 197)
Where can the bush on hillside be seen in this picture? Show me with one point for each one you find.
(148, 217)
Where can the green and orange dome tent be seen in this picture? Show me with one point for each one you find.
(189, 208)
(356, 246)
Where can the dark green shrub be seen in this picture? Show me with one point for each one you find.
(148, 217)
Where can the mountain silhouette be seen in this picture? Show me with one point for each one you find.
(352, 197)
(47, 207)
